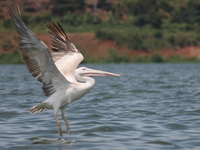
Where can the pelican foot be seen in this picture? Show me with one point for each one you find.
(68, 129)
(58, 124)
(59, 130)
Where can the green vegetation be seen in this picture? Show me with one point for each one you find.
(154, 24)
(112, 57)
(115, 57)
(62, 7)
(137, 24)
(146, 38)
(11, 58)
(7, 45)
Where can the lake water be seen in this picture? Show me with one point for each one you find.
(150, 107)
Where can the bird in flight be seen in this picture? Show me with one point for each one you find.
(55, 68)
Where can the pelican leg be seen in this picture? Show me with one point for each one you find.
(66, 122)
(58, 123)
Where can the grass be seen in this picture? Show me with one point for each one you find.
(115, 57)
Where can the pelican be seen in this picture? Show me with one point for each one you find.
(55, 69)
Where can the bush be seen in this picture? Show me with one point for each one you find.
(104, 35)
(40, 19)
(116, 57)
(158, 34)
(178, 59)
(76, 19)
(11, 58)
(8, 24)
(157, 58)
(141, 59)
(140, 21)
(62, 7)
(7, 45)
(183, 39)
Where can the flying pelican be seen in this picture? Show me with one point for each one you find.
(55, 69)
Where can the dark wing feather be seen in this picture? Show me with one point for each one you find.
(37, 57)
(65, 55)
(61, 44)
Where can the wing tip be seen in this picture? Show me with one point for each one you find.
(58, 30)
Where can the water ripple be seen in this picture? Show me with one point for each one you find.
(151, 106)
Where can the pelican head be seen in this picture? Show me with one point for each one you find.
(83, 71)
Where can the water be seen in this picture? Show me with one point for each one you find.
(151, 106)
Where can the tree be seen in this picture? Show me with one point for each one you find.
(146, 12)
(61, 7)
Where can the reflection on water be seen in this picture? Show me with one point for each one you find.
(51, 141)
(151, 106)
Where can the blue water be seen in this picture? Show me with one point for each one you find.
(151, 106)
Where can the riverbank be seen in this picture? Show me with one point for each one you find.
(101, 51)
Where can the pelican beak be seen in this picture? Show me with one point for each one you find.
(99, 73)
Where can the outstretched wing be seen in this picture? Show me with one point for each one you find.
(37, 57)
(65, 55)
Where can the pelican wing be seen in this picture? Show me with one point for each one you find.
(65, 55)
(37, 57)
